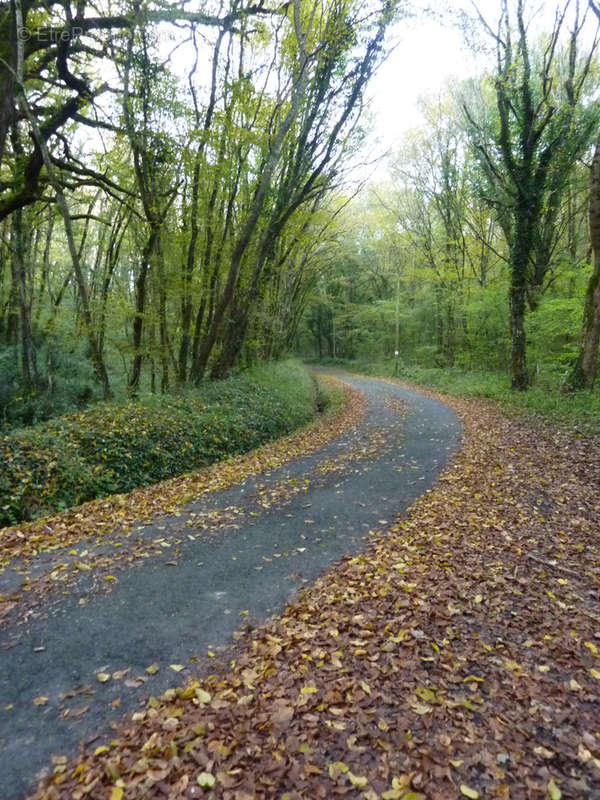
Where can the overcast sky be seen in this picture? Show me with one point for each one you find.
(429, 53)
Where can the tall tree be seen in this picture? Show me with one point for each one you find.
(584, 370)
(529, 152)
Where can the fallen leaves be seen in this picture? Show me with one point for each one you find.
(202, 696)
(206, 780)
(554, 793)
(113, 520)
(40, 701)
(388, 679)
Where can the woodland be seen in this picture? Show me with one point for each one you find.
(180, 199)
(476, 261)
(191, 203)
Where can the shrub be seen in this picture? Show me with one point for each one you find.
(114, 448)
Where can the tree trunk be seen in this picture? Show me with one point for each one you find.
(140, 308)
(232, 345)
(586, 366)
(28, 355)
(258, 200)
(97, 359)
(186, 300)
(162, 315)
(520, 376)
(519, 258)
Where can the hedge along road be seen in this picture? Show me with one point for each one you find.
(262, 540)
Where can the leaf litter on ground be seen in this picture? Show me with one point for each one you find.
(116, 518)
(457, 657)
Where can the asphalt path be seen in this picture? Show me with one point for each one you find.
(268, 537)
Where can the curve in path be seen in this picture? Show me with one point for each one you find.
(275, 532)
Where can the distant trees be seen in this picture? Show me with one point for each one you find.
(488, 199)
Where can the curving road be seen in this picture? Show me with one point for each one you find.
(262, 540)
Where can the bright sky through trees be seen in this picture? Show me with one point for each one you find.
(430, 52)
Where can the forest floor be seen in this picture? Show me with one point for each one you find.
(457, 655)
(101, 611)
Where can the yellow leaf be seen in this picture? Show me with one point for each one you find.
(595, 674)
(206, 780)
(365, 687)
(152, 669)
(110, 578)
(398, 790)
(478, 598)
(553, 791)
(456, 762)
(543, 668)
(308, 690)
(357, 780)
(574, 686)
(116, 793)
(177, 667)
(336, 769)
(468, 792)
(202, 696)
(592, 648)
(103, 677)
(102, 749)
(512, 664)
(40, 701)
(422, 708)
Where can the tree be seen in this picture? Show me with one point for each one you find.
(527, 154)
(584, 370)
(63, 50)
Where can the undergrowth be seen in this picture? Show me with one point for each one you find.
(113, 448)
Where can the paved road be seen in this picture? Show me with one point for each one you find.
(262, 540)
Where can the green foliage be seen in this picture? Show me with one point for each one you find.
(115, 448)
(72, 388)
(554, 334)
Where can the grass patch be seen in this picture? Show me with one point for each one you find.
(114, 448)
(579, 411)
